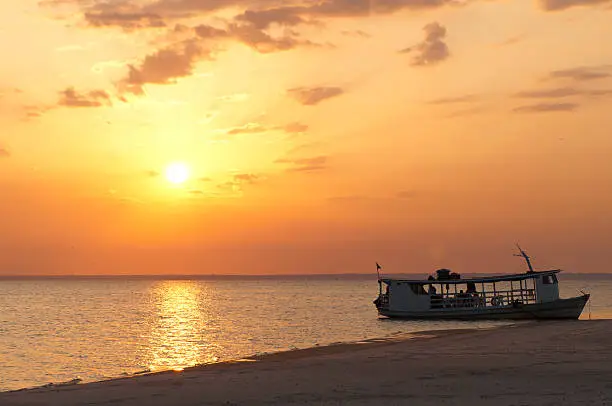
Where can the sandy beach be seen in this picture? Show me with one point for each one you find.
(539, 363)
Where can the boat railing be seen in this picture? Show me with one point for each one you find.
(497, 298)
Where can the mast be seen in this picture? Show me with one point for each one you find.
(524, 255)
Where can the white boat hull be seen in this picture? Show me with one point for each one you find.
(558, 309)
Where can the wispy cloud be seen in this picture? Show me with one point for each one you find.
(94, 98)
(259, 128)
(239, 181)
(4, 152)
(432, 49)
(305, 164)
(558, 5)
(310, 96)
(583, 73)
(562, 92)
(468, 98)
(547, 108)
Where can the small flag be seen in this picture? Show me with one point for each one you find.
(378, 267)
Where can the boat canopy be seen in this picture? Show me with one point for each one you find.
(485, 279)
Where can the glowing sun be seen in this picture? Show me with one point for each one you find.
(177, 173)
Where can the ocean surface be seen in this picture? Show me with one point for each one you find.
(57, 330)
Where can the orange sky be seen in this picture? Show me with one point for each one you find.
(320, 136)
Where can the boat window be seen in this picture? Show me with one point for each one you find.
(549, 279)
(418, 289)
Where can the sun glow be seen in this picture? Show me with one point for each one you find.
(177, 173)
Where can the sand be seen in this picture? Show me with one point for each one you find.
(539, 363)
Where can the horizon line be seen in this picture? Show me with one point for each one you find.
(231, 275)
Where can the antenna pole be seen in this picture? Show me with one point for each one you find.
(524, 255)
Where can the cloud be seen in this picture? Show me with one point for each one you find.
(260, 14)
(356, 33)
(305, 164)
(238, 181)
(95, 98)
(4, 153)
(432, 49)
(557, 5)
(310, 96)
(249, 128)
(295, 128)
(246, 178)
(547, 107)
(125, 20)
(562, 92)
(258, 128)
(152, 173)
(455, 100)
(33, 112)
(582, 74)
(164, 66)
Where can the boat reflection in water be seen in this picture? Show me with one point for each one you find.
(179, 336)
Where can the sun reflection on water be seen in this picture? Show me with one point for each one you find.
(179, 335)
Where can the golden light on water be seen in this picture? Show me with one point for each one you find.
(178, 339)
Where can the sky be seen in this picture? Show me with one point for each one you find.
(317, 136)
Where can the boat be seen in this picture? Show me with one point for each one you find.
(448, 296)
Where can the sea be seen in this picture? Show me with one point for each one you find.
(83, 329)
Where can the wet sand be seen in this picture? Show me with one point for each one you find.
(539, 363)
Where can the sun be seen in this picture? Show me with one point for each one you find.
(177, 173)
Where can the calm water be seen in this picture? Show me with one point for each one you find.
(92, 329)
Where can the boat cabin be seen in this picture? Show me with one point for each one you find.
(447, 290)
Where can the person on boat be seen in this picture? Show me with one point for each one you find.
(432, 290)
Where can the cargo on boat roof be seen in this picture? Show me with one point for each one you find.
(482, 279)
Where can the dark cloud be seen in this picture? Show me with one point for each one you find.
(95, 98)
(305, 164)
(456, 100)
(432, 49)
(310, 96)
(582, 74)
(557, 5)
(547, 107)
(164, 66)
(259, 13)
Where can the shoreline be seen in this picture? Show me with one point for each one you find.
(536, 363)
(317, 350)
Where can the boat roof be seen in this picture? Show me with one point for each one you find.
(485, 279)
